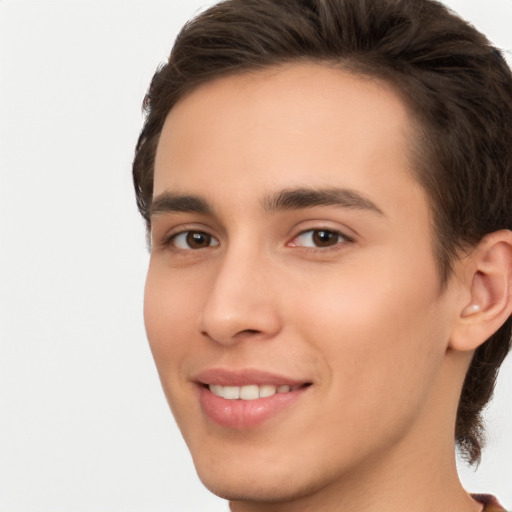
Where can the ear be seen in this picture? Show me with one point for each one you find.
(488, 278)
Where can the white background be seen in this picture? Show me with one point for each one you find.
(83, 422)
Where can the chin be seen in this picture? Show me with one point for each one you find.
(255, 490)
(257, 484)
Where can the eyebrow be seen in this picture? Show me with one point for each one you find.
(169, 202)
(287, 199)
(301, 198)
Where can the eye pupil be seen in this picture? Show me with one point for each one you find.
(325, 238)
(198, 240)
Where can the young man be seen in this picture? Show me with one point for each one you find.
(326, 185)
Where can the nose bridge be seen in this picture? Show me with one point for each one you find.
(240, 302)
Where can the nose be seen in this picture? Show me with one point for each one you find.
(241, 303)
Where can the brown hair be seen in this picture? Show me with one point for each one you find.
(457, 86)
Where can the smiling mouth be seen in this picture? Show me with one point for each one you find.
(251, 391)
(246, 400)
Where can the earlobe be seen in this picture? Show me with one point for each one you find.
(490, 287)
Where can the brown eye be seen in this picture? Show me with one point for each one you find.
(194, 240)
(325, 238)
(319, 238)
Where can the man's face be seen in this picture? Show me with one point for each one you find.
(292, 262)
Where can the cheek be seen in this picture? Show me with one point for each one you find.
(170, 320)
(379, 328)
(168, 315)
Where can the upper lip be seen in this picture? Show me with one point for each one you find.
(244, 377)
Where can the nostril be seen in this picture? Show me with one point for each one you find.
(245, 334)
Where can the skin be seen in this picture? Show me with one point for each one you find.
(362, 318)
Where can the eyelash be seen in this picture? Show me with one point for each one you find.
(341, 238)
(183, 238)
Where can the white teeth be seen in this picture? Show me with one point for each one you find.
(216, 389)
(231, 392)
(249, 392)
(267, 390)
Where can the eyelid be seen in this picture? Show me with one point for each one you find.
(174, 240)
(166, 240)
(341, 234)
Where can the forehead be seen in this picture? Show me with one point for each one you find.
(246, 135)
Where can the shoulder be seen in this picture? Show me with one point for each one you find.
(490, 502)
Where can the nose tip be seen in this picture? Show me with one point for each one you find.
(238, 309)
(231, 329)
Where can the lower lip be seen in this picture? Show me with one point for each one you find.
(243, 414)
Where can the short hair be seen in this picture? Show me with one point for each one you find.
(455, 83)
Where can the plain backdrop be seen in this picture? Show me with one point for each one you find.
(83, 423)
